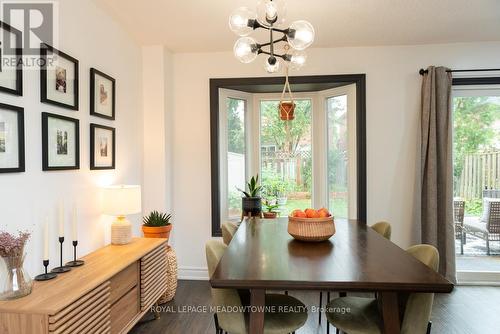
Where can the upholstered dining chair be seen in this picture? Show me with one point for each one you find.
(383, 228)
(228, 231)
(278, 322)
(365, 318)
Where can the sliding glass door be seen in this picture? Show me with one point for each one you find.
(476, 150)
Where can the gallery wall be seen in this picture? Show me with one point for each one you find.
(393, 99)
(25, 198)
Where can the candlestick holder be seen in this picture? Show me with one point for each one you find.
(61, 268)
(75, 262)
(45, 276)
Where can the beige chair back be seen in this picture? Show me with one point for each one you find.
(228, 299)
(228, 231)
(383, 228)
(419, 305)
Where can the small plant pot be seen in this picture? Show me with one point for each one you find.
(251, 206)
(157, 231)
(281, 201)
(270, 215)
(287, 110)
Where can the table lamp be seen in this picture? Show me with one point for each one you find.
(120, 201)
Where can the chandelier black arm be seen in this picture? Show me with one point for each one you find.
(255, 25)
(284, 56)
(282, 39)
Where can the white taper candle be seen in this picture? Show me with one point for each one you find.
(61, 219)
(75, 224)
(46, 238)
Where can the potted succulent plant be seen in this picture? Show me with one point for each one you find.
(271, 209)
(157, 225)
(251, 203)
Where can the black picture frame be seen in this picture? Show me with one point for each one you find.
(308, 83)
(44, 48)
(19, 59)
(45, 142)
(20, 137)
(93, 112)
(93, 127)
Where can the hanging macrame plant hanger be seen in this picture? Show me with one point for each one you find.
(287, 106)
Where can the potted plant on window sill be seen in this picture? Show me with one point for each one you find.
(157, 225)
(251, 203)
(271, 209)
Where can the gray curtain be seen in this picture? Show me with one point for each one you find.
(436, 167)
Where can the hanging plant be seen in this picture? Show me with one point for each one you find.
(286, 105)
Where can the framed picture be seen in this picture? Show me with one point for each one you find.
(11, 139)
(11, 66)
(102, 94)
(60, 142)
(58, 78)
(102, 147)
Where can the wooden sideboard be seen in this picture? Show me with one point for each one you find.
(109, 294)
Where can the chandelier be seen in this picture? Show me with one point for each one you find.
(270, 15)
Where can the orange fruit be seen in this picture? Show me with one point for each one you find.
(312, 213)
(299, 214)
(323, 212)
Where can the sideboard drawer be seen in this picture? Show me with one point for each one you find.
(125, 280)
(88, 314)
(124, 310)
(153, 276)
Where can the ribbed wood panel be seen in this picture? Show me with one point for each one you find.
(153, 276)
(88, 314)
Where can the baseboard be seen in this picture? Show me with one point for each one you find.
(192, 273)
(484, 278)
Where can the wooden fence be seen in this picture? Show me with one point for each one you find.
(480, 171)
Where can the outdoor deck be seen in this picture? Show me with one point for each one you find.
(475, 257)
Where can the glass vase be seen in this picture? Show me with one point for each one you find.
(15, 282)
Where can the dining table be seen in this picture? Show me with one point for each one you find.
(263, 256)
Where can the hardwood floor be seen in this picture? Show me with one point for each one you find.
(467, 310)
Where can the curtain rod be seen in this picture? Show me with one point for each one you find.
(422, 71)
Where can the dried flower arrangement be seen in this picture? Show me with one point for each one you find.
(16, 283)
(11, 245)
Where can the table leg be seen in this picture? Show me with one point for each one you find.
(257, 303)
(390, 312)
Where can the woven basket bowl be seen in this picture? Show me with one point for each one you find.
(311, 229)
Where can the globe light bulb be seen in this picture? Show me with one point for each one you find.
(245, 49)
(272, 66)
(300, 35)
(241, 21)
(297, 60)
(271, 12)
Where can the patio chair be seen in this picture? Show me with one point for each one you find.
(488, 230)
(458, 217)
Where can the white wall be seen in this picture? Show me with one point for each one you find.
(393, 99)
(92, 37)
(153, 78)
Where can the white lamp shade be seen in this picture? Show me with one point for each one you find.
(121, 200)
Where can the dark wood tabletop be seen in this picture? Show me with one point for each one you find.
(263, 255)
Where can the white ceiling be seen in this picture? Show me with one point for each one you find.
(201, 25)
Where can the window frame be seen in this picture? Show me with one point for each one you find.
(223, 151)
(231, 83)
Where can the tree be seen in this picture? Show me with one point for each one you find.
(235, 126)
(274, 129)
(474, 118)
